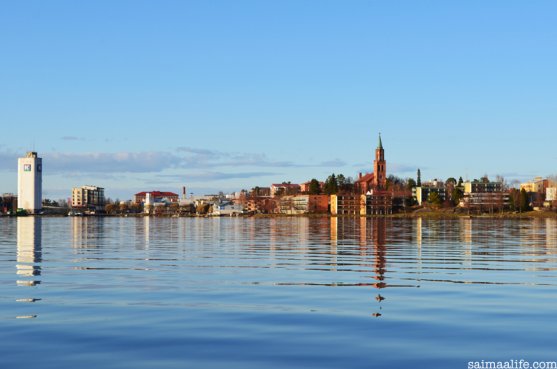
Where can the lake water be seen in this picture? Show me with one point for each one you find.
(275, 293)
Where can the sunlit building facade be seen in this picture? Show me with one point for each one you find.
(88, 198)
(30, 183)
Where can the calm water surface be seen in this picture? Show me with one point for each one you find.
(275, 293)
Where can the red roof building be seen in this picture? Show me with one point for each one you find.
(157, 196)
(376, 180)
(364, 183)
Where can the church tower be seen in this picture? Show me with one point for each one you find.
(379, 167)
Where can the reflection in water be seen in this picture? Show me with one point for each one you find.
(86, 232)
(147, 231)
(379, 241)
(334, 242)
(334, 232)
(79, 234)
(419, 232)
(29, 256)
(379, 238)
(466, 230)
(257, 287)
(423, 251)
(466, 226)
(375, 254)
(551, 235)
(28, 249)
(370, 235)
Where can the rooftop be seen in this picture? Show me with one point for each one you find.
(156, 193)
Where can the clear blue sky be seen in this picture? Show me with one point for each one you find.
(223, 95)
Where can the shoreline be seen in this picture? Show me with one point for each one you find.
(435, 214)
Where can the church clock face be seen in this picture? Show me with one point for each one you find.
(26, 167)
(39, 168)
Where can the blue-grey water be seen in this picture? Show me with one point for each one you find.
(275, 293)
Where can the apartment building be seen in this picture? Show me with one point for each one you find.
(88, 198)
(484, 196)
(303, 204)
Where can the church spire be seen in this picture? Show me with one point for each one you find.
(380, 167)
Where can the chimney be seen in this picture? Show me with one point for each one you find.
(360, 175)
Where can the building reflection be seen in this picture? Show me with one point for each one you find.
(86, 232)
(551, 235)
(379, 241)
(29, 256)
(302, 231)
(273, 240)
(363, 236)
(379, 236)
(29, 253)
(367, 237)
(333, 251)
(466, 238)
(466, 230)
(419, 232)
(334, 231)
(147, 232)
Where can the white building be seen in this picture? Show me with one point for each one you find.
(227, 208)
(551, 194)
(30, 183)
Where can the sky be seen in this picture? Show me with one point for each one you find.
(226, 95)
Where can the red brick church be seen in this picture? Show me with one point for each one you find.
(376, 180)
(370, 196)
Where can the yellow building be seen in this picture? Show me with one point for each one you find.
(348, 204)
(536, 185)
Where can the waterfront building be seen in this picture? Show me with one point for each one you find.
(482, 187)
(379, 203)
(536, 190)
(372, 203)
(280, 189)
(303, 204)
(378, 179)
(348, 204)
(90, 198)
(30, 182)
(156, 197)
(550, 196)
(147, 203)
(221, 208)
(537, 185)
(421, 193)
(370, 195)
(484, 196)
(8, 203)
(261, 204)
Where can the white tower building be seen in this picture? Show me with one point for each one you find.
(30, 183)
(148, 203)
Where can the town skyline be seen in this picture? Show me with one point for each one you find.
(244, 180)
(228, 96)
(352, 179)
